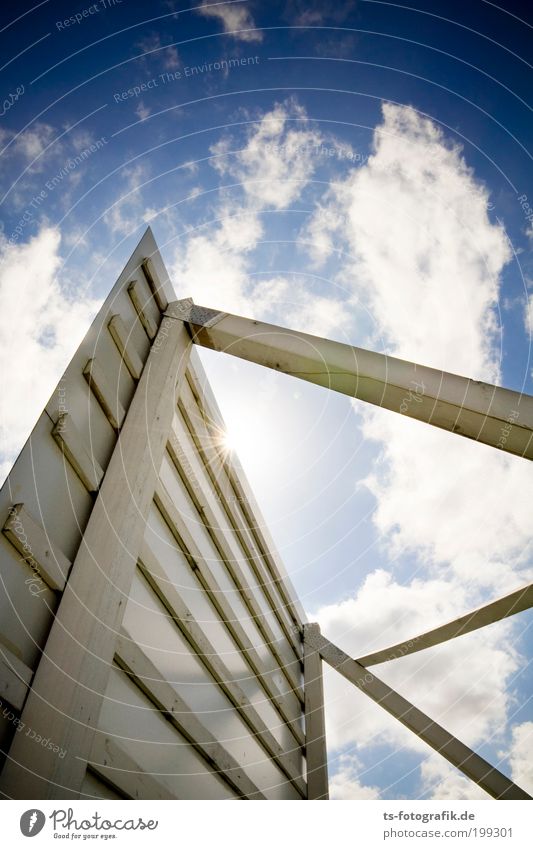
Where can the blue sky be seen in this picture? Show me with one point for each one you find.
(356, 170)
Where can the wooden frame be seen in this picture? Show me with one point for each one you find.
(70, 681)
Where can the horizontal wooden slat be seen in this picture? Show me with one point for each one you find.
(217, 473)
(243, 498)
(187, 543)
(154, 284)
(110, 761)
(36, 548)
(72, 445)
(125, 346)
(145, 675)
(15, 677)
(221, 543)
(156, 576)
(136, 296)
(105, 394)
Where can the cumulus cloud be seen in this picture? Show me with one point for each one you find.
(153, 48)
(44, 329)
(346, 783)
(426, 260)
(235, 19)
(426, 256)
(30, 145)
(213, 265)
(123, 216)
(528, 315)
(441, 781)
(277, 160)
(521, 755)
(461, 684)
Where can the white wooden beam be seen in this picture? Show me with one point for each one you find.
(316, 755)
(146, 676)
(136, 297)
(179, 528)
(34, 545)
(288, 762)
(72, 444)
(105, 394)
(243, 524)
(480, 411)
(473, 766)
(494, 611)
(15, 677)
(229, 485)
(70, 681)
(154, 284)
(125, 346)
(116, 767)
(221, 542)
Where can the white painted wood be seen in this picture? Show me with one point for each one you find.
(141, 670)
(189, 546)
(109, 760)
(82, 461)
(490, 414)
(70, 681)
(316, 755)
(156, 576)
(200, 427)
(155, 284)
(137, 300)
(105, 393)
(36, 548)
(223, 545)
(206, 411)
(126, 349)
(15, 677)
(473, 766)
(494, 611)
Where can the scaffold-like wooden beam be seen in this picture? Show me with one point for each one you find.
(494, 611)
(472, 765)
(490, 414)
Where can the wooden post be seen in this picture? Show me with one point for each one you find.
(63, 705)
(491, 780)
(315, 731)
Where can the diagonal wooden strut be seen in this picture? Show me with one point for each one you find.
(494, 611)
(490, 414)
(473, 766)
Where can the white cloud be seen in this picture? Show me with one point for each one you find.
(521, 756)
(235, 18)
(213, 265)
(43, 331)
(442, 781)
(315, 12)
(31, 144)
(143, 111)
(427, 257)
(152, 48)
(123, 216)
(460, 506)
(426, 260)
(345, 783)
(461, 684)
(277, 161)
(528, 315)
